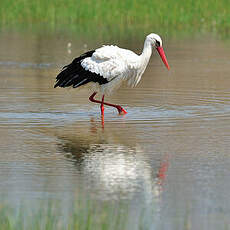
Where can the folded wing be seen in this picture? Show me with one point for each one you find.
(100, 66)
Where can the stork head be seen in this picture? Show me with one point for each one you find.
(156, 42)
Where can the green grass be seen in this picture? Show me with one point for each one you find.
(120, 18)
(49, 216)
(82, 214)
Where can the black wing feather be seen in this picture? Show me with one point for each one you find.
(75, 75)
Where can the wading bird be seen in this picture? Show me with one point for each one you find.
(107, 67)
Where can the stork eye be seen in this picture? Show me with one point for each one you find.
(157, 43)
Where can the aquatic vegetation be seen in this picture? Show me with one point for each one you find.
(83, 213)
(120, 18)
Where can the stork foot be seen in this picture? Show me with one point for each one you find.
(121, 111)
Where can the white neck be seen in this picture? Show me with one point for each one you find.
(143, 61)
(146, 53)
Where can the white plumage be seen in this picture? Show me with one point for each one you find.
(110, 62)
(114, 64)
(107, 67)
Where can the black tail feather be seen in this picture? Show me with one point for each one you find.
(75, 75)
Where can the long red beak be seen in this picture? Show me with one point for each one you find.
(163, 57)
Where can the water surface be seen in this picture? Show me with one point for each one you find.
(170, 152)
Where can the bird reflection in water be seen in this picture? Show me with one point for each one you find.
(112, 168)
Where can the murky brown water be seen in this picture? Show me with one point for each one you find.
(172, 148)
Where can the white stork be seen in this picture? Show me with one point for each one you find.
(107, 67)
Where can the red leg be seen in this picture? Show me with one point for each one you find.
(102, 106)
(121, 111)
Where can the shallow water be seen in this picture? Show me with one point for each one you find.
(170, 150)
